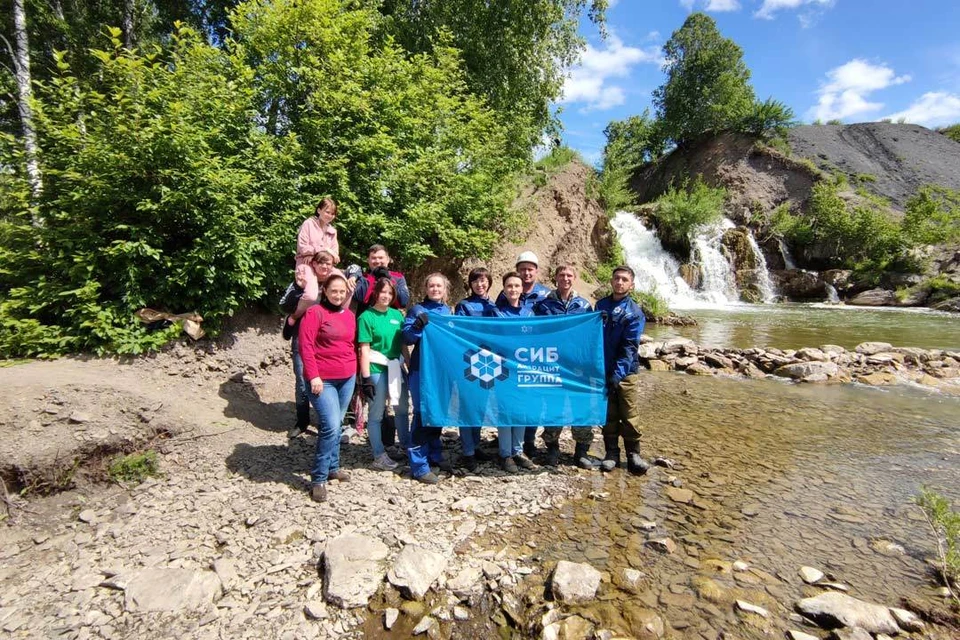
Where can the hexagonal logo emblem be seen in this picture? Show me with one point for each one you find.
(484, 366)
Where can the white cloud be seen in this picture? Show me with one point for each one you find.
(932, 109)
(716, 6)
(722, 5)
(770, 7)
(589, 82)
(848, 87)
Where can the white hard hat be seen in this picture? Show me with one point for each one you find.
(528, 256)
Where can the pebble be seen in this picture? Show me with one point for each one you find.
(810, 575)
(752, 608)
(390, 616)
(425, 625)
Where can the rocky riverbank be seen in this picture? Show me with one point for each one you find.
(870, 363)
(225, 542)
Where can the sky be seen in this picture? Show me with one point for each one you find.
(852, 60)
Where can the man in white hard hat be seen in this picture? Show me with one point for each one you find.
(528, 266)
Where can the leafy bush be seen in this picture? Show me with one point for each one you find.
(135, 467)
(940, 288)
(952, 132)
(945, 525)
(768, 119)
(835, 121)
(685, 207)
(652, 304)
(932, 216)
(176, 178)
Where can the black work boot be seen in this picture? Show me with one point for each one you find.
(611, 456)
(582, 455)
(553, 454)
(637, 465)
(469, 463)
(529, 449)
(300, 426)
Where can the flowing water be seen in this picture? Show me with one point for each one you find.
(782, 476)
(793, 326)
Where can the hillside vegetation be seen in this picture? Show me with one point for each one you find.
(169, 163)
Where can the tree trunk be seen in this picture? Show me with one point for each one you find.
(21, 66)
(128, 7)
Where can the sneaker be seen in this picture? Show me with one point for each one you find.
(340, 475)
(469, 463)
(529, 449)
(524, 462)
(318, 493)
(637, 465)
(384, 463)
(509, 465)
(296, 431)
(609, 464)
(428, 478)
(588, 463)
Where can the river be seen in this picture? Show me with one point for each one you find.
(792, 326)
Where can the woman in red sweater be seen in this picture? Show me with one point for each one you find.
(328, 346)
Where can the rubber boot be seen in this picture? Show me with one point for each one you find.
(611, 456)
(553, 454)
(582, 456)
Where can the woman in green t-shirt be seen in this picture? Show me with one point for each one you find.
(382, 378)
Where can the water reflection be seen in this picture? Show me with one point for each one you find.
(783, 476)
(791, 326)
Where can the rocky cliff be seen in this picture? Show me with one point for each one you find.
(560, 222)
(891, 161)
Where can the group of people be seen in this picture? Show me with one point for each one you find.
(349, 326)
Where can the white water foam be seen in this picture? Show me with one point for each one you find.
(767, 291)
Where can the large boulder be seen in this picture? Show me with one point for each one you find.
(874, 298)
(173, 590)
(415, 570)
(838, 609)
(951, 304)
(574, 582)
(800, 284)
(806, 370)
(353, 566)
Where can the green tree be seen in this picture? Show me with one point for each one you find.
(683, 208)
(634, 141)
(708, 85)
(516, 52)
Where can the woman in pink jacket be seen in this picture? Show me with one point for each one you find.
(317, 233)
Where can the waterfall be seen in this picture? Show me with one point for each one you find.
(659, 272)
(788, 261)
(717, 282)
(767, 290)
(832, 297)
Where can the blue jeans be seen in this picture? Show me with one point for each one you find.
(377, 407)
(510, 441)
(469, 440)
(425, 446)
(331, 406)
(301, 387)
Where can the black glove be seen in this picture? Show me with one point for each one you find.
(421, 321)
(368, 389)
(381, 272)
(604, 316)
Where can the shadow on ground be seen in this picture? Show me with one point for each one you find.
(244, 403)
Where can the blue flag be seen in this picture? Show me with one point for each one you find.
(512, 372)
